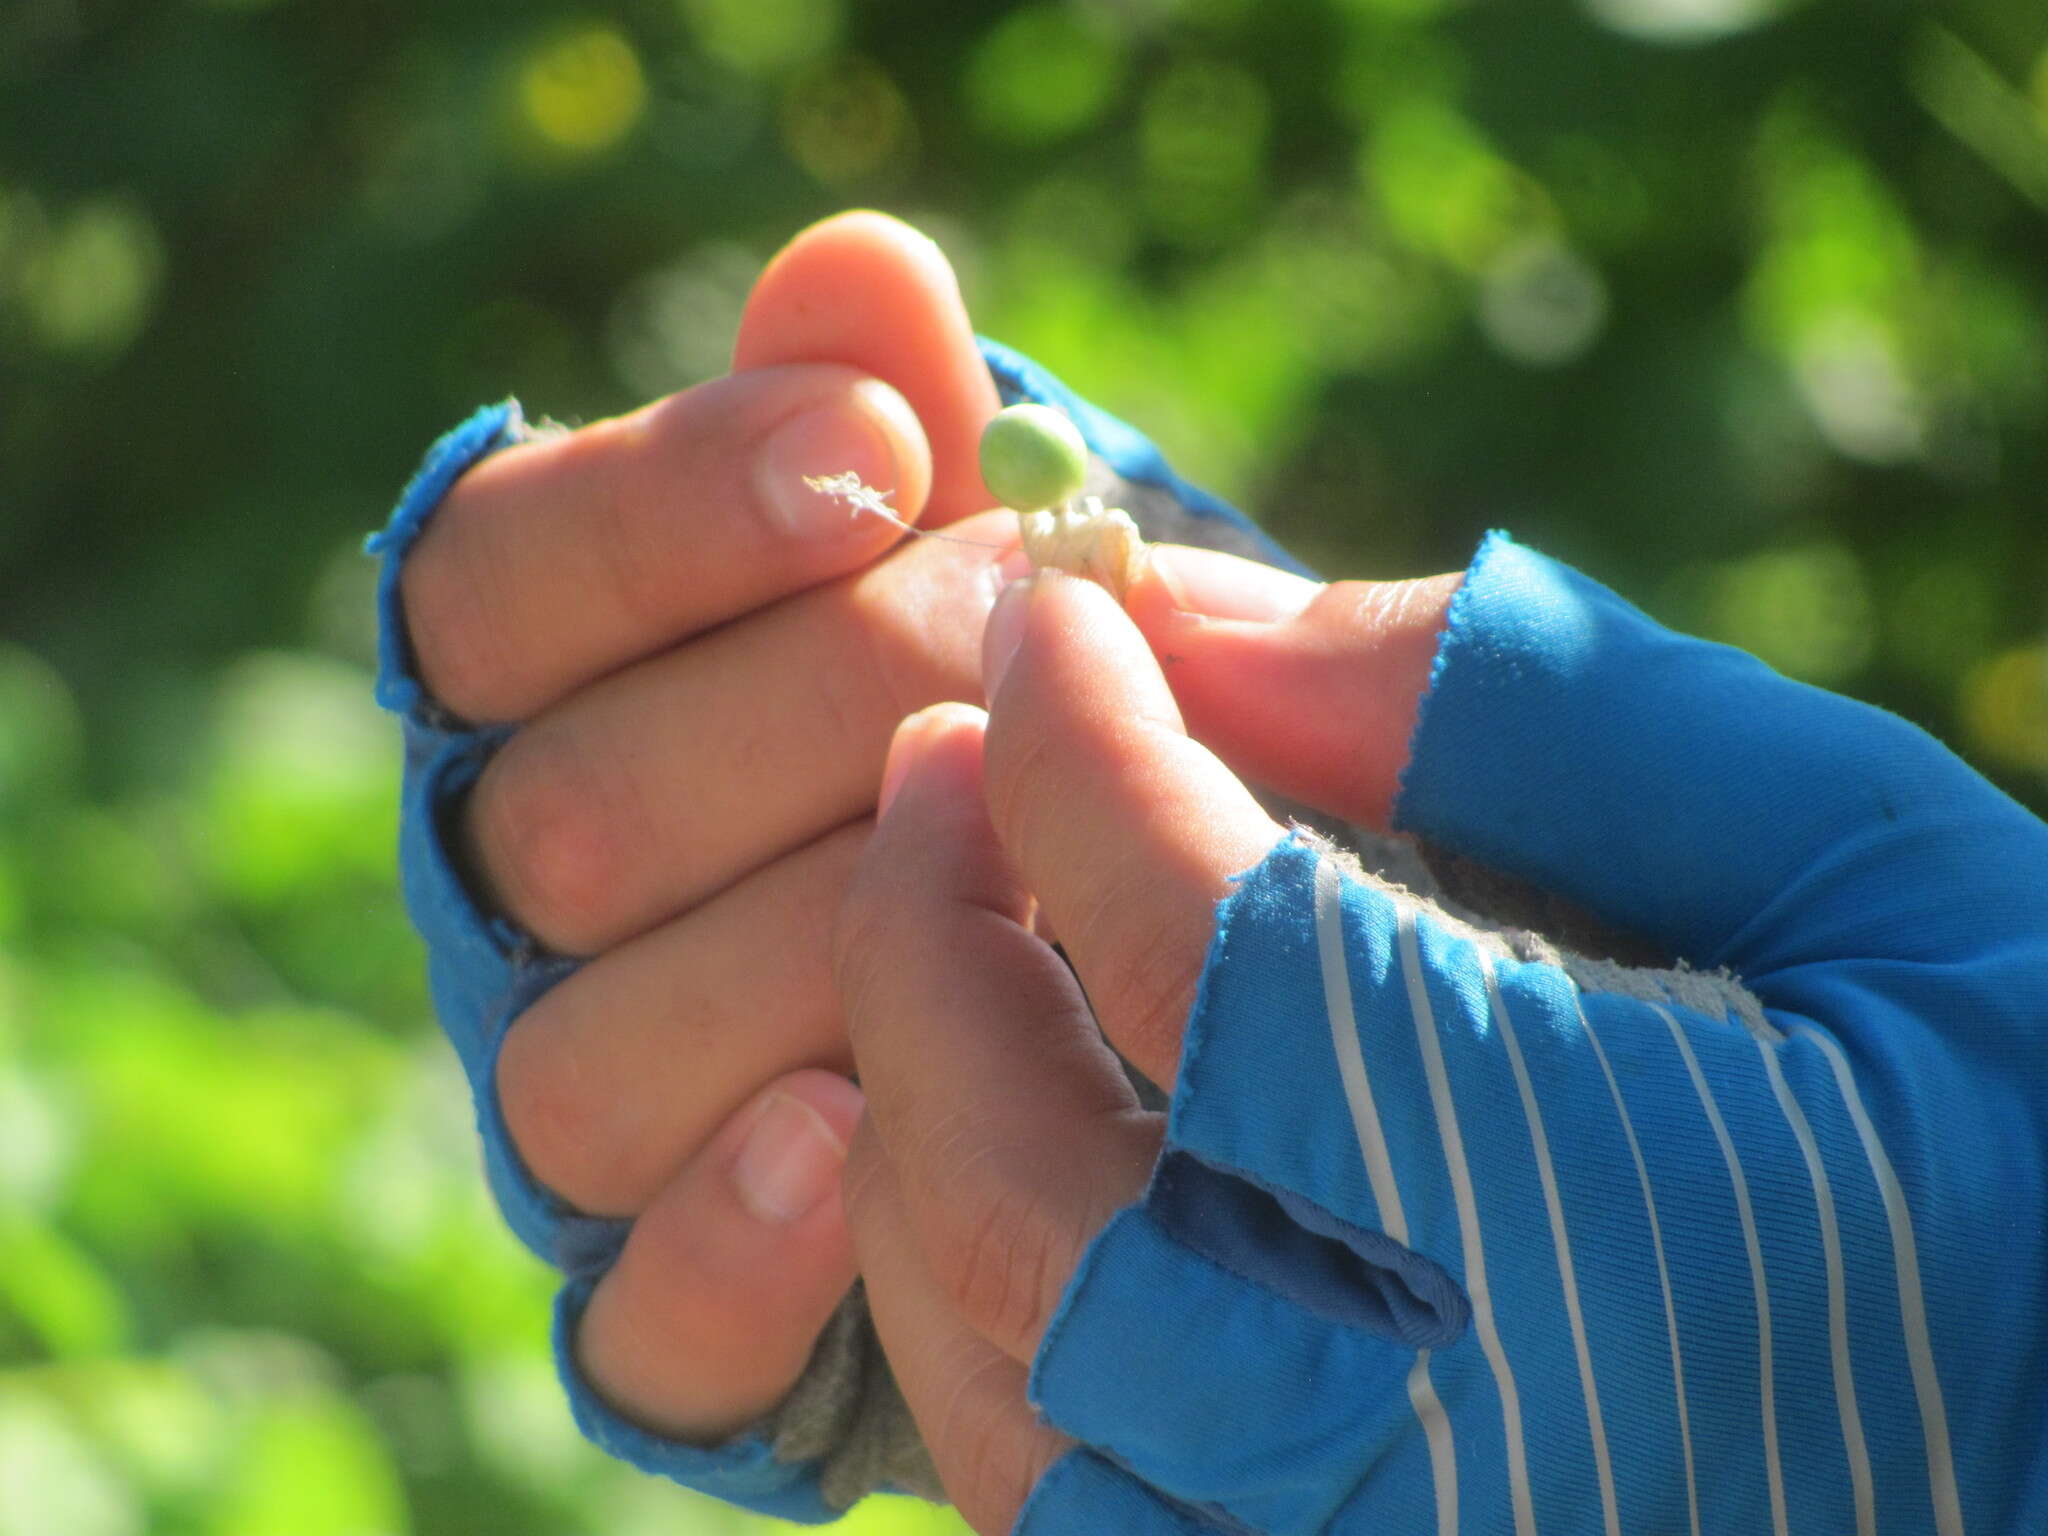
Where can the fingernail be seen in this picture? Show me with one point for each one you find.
(905, 746)
(1220, 586)
(1015, 565)
(789, 1162)
(864, 432)
(1005, 629)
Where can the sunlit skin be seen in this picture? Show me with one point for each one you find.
(708, 692)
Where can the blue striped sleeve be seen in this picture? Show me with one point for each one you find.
(1478, 1235)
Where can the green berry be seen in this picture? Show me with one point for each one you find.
(1032, 457)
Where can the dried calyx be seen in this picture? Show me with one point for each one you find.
(1034, 461)
(1085, 538)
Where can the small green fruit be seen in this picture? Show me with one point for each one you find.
(1032, 457)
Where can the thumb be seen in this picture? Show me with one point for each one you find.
(1311, 690)
(869, 291)
(1126, 830)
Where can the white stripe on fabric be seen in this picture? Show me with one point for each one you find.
(1436, 1430)
(1379, 1172)
(1560, 1239)
(1838, 1304)
(1941, 1467)
(1468, 1225)
(1365, 1115)
(1635, 1150)
(1774, 1473)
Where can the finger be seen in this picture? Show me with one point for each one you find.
(712, 1310)
(556, 561)
(1306, 689)
(967, 1397)
(1014, 1133)
(651, 790)
(868, 291)
(617, 1076)
(1128, 831)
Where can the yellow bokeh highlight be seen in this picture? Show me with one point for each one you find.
(582, 91)
(845, 121)
(1805, 610)
(2005, 708)
(89, 283)
(764, 37)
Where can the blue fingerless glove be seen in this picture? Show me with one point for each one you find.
(1454, 1232)
(484, 971)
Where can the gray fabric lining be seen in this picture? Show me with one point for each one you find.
(847, 1412)
(1517, 921)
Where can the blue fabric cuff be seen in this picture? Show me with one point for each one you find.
(492, 427)
(1678, 789)
(743, 1470)
(483, 972)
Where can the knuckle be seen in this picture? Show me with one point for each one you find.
(862, 951)
(550, 1117)
(987, 1466)
(844, 719)
(545, 825)
(891, 636)
(1000, 1257)
(1353, 606)
(1023, 800)
(857, 702)
(1155, 965)
(638, 542)
(681, 1306)
(450, 618)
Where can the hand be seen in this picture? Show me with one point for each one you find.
(1001, 1132)
(1446, 1231)
(705, 659)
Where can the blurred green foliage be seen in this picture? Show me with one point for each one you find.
(1742, 305)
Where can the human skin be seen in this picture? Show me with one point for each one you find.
(708, 663)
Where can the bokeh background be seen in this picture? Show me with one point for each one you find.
(1741, 305)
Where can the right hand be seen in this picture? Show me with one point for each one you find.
(706, 661)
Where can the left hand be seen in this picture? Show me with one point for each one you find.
(1001, 1132)
(1406, 1246)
